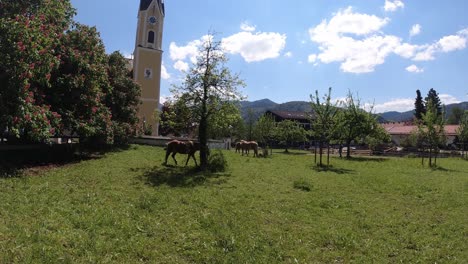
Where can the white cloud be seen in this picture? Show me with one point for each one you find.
(288, 54)
(164, 74)
(407, 104)
(393, 5)
(414, 69)
(448, 99)
(356, 55)
(245, 26)
(357, 42)
(399, 105)
(451, 43)
(181, 66)
(255, 46)
(406, 50)
(346, 21)
(415, 30)
(312, 58)
(182, 52)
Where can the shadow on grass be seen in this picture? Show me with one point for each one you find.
(439, 168)
(332, 169)
(177, 176)
(39, 157)
(292, 153)
(366, 159)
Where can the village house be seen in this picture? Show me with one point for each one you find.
(400, 131)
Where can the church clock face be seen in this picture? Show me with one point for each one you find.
(152, 20)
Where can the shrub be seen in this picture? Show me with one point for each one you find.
(217, 162)
(303, 185)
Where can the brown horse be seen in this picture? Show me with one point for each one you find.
(249, 145)
(187, 147)
(239, 146)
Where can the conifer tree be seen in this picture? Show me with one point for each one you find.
(419, 107)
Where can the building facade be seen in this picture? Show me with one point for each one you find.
(148, 59)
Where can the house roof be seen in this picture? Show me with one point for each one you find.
(405, 129)
(291, 115)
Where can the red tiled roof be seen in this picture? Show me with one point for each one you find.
(403, 129)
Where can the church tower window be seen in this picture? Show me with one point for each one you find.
(151, 37)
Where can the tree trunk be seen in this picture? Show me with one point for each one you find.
(315, 151)
(430, 157)
(321, 152)
(348, 151)
(328, 154)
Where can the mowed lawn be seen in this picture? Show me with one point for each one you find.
(127, 208)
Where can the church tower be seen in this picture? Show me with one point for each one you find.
(148, 59)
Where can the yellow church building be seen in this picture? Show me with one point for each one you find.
(148, 59)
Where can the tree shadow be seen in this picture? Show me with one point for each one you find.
(177, 176)
(439, 168)
(40, 157)
(366, 159)
(332, 169)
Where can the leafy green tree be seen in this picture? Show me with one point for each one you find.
(265, 129)
(431, 130)
(353, 122)
(123, 99)
(30, 33)
(456, 116)
(222, 122)
(80, 85)
(419, 107)
(463, 133)
(250, 124)
(288, 131)
(323, 121)
(208, 85)
(177, 118)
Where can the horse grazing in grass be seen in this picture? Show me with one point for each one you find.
(249, 145)
(239, 146)
(182, 147)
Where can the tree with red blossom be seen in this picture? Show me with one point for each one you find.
(80, 85)
(30, 31)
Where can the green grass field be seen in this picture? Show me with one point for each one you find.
(127, 208)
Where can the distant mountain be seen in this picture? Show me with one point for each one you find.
(408, 115)
(394, 116)
(261, 106)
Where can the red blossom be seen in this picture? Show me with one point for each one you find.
(26, 86)
(94, 109)
(27, 117)
(48, 76)
(32, 65)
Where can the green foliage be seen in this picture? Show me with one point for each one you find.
(433, 97)
(208, 85)
(30, 33)
(223, 121)
(80, 84)
(265, 129)
(456, 116)
(288, 131)
(217, 162)
(123, 99)
(323, 121)
(431, 131)
(355, 124)
(419, 107)
(463, 132)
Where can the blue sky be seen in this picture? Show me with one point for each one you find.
(383, 50)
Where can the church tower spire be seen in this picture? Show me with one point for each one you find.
(148, 59)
